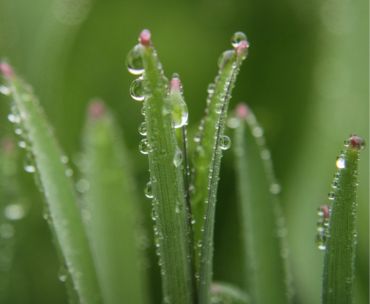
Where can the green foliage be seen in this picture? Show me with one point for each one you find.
(340, 233)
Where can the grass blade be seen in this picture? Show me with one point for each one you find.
(207, 160)
(166, 177)
(262, 223)
(110, 206)
(57, 186)
(222, 293)
(341, 238)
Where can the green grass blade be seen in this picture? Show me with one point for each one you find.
(261, 219)
(166, 178)
(61, 200)
(222, 293)
(207, 160)
(110, 206)
(341, 238)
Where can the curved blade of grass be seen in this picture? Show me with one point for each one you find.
(207, 162)
(222, 293)
(266, 276)
(166, 177)
(61, 200)
(341, 243)
(110, 211)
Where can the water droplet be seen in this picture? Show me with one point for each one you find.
(257, 132)
(177, 158)
(137, 89)
(5, 90)
(233, 122)
(340, 163)
(64, 159)
(134, 61)
(69, 172)
(225, 58)
(219, 107)
(237, 38)
(29, 166)
(225, 142)
(211, 88)
(331, 196)
(63, 274)
(149, 190)
(18, 131)
(193, 222)
(22, 144)
(142, 128)
(179, 109)
(82, 185)
(14, 212)
(275, 188)
(14, 118)
(144, 146)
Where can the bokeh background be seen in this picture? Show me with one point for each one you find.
(306, 78)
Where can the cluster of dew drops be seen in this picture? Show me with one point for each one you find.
(324, 211)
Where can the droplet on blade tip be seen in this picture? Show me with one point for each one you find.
(356, 142)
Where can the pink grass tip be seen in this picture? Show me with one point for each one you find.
(325, 209)
(145, 38)
(6, 70)
(242, 47)
(96, 109)
(356, 142)
(242, 110)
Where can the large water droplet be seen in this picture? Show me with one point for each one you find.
(225, 58)
(149, 190)
(137, 89)
(5, 90)
(237, 38)
(179, 110)
(142, 128)
(144, 146)
(225, 142)
(14, 212)
(14, 118)
(134, 61)
(177, 158)
(341, 162)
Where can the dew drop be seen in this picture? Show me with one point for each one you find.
(237, 38)
(179, 109)
(257, 131)
(144, 146)
(233, 122)
(137, 89)
(29, 166)
(14, 212)
(225, 58)
(149, 190)
(14, 118)
(18, 131)
(69, 172)
(275, 188)
(5, 90)
(177, 158)
(225, 142)
(218, 107)
(331, 196)
(211, 88)
(340, 163)
(142, 128)
(63, 274)
(22, 144)
(64, 159)
(82, 185)
(134, 61)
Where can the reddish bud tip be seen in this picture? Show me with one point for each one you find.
(96, 109)
(242, 110)
(145, 38)
(356, 142)
(242, 47)
(6, 70)
(175, 83)
(325, 209)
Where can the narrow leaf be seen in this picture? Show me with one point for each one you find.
(211, 141)
(341, 237)
(53, 173)
(263, 231)
(110, 208)
(166, 175)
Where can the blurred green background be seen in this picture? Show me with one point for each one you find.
(306, 78)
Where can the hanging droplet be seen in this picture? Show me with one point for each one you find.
(225, 58)
(149, 190)
(137, 89)
(331, 196)
(237, 38)
(5, 90)
(179, 110)
(177, 158)
(341, 162)
(211, 88)
(144, 146)
(225, 142)
(29, 166)
(142, 128)
(134, 61)
(14, 118)
(63, 274)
